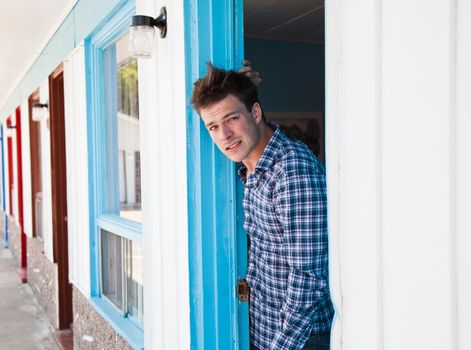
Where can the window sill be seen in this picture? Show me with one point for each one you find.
(122, 227)
(124, 326)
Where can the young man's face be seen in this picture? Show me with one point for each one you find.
(232, 127)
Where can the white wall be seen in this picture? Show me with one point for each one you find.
(2, 165)
(14, 190)
(78, 220)
(46, 175)
(463, 173)
(26, 168)
(162, 106)
(418, 174)
(6, 165)
(398, 167)
(353, 160)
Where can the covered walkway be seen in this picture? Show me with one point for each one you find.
(23, 324)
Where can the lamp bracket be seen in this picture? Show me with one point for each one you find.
(40, 105)
(159, 22)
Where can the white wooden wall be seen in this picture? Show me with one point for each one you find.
(398, 76)
(463, 173)
(162, 106)
(77, 170)
(46, 175)
(26, 168)
(14, 196)
(5, 164)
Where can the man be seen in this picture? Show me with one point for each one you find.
(285, 209)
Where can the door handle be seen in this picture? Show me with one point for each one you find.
(243, 290)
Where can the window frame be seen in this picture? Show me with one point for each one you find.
(102, 157)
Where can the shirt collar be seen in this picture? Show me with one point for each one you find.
(268, 156)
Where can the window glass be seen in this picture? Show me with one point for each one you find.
(114, 273)
(112, 267)
(38, 212)
(127, 132)
(134, 280)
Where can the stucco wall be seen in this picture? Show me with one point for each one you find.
(91, 331)
(14, 239)
(42, 277)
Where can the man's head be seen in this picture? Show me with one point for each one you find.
(227, 101)
(219, 83)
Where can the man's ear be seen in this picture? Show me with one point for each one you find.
(257, 112)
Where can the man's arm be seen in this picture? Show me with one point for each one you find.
(301, 204)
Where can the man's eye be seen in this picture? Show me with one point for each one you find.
(212, 128)
(234, 118)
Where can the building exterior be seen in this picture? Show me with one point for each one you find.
(127, 221)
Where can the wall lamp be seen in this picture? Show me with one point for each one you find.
(40, 111)
(10, 131)
(141, 34)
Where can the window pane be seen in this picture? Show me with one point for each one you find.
(38, 212)
(134, 281)
(112, 267)
(128, 125)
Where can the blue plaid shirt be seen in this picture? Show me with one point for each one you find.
(285, 208)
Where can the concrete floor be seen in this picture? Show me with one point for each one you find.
(23, 324)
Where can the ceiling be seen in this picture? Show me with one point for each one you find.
(298, 20)
(26, 27)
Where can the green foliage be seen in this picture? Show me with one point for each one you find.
(128, 89)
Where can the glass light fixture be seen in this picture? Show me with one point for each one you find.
(141, 34)
(40, 111)
(10, 131)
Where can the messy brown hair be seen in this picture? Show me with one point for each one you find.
(218, 83)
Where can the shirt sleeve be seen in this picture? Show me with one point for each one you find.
(301, 206)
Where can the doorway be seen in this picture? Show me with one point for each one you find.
(59, 195)
(217, 243)
(36, 181)
(284, 40)
(11, 180)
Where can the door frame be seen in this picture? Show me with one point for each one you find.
(19, 193)
(11, 179)
(4, 205)
(217, 319)
(35, 157)
(59, 195)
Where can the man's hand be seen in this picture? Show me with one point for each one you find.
(254, 76)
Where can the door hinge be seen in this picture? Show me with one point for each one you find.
(243, 290)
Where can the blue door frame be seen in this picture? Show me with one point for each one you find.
(4, 208)
(213, 32)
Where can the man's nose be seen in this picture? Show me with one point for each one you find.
(224, 132)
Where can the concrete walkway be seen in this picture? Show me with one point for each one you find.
(23, 324)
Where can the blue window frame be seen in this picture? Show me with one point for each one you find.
(114, 172)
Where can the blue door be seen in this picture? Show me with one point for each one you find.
(217, 243)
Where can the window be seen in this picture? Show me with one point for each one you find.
(121, 85)
(122, 285)
(112, 267)
(134, 283)
(117, 256)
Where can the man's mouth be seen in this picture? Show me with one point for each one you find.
(233, 145)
